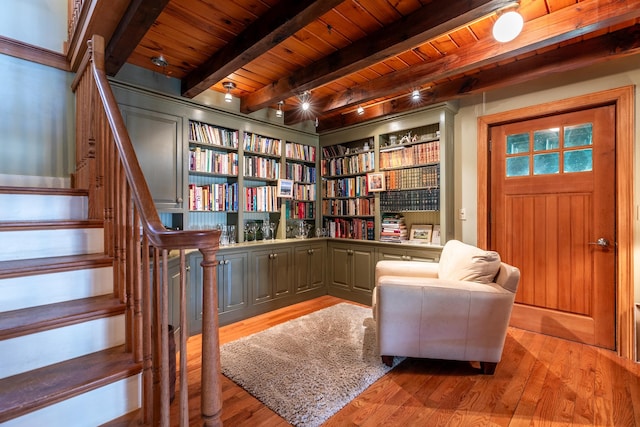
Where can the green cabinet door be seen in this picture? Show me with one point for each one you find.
(232, 281)
(270, 274)
(157, 140)
(352, 271)
(428, 254)
(309, 267)
(362, 269)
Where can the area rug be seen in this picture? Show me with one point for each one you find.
(308, 368)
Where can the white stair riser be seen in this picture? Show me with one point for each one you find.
(41, 289)
(25, 244)
(25, 353)
(34, 207)
(89, 409)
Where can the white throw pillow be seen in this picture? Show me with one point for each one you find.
(460, 261)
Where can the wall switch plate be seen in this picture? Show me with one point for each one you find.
(462, 214)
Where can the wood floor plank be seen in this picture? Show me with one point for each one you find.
(540, 381)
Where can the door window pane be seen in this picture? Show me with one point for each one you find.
(518, 143)
(578, 160)
(544, 164)
(518, 166)
(578, 135)
(547, 139)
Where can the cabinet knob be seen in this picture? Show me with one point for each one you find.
(275, 255)
(179, 200)
(310, 251)
(188, 268)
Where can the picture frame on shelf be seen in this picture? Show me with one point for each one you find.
(375, 181)
(421, 233)
(285, 188)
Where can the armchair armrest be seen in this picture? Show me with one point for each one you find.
(406, 269)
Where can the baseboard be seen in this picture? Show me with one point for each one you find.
(34, 181)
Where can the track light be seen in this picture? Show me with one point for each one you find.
(279, 112)
(228, 85)
(360, 110)
(415, 95)
(508, 26)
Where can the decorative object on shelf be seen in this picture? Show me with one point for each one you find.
(421, 233)
(375, 181)
(285, 188)
(279, 112)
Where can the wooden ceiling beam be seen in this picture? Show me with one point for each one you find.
(136, 21)
(279, 23)
(566, 24)
(624, 42)
(426, 23)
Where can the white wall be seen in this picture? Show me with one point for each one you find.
(41, 23)
(609, 75)
(36, 103)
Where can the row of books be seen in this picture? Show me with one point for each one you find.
(346, 187)
(304, 191)
(358, 163)
(204, 133)
(410, 200)
(352, 228)
(401, 179)
(261, 199)
(393, 229)
(214, 197)
(300, 210)
(211, 161)
(262, 144)
(301, 173)
(293, 150)
(348, 207)
(418, 154)
(261, 167)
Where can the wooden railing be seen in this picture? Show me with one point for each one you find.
(140, 245)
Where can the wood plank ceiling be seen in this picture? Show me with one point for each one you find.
(369, 53)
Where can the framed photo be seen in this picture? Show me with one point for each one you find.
(285, 188)
(375, 181)
(421, 233)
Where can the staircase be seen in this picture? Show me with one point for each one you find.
(62, 330)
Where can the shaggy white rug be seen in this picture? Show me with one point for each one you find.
(308, 368)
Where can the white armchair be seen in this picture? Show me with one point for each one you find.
(457, 309)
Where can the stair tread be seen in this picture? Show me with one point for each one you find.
(50, 224)
(44, 191)
(29, 267)
(34, 319)
(35, 389)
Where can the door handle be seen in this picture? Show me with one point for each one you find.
(602, 242)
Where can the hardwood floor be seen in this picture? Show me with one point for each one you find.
(540, 381)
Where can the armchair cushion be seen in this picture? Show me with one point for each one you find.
(460, 261)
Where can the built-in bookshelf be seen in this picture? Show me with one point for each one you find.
(261, 170)
(410, 160)
(348, 207)
(213, 174)
(300, 167)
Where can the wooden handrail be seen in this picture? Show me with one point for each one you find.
(107, 165)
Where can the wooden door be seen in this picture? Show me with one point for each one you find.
(553, 216)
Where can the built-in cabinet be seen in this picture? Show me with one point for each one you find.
(352, 269)
(209, 168)
(309, 266)
(270, 274)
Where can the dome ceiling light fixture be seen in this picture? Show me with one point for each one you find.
(228, 86)
(508, 25)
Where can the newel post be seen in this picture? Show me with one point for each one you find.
(211, 404)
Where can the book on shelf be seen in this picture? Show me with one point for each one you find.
(350, 228)
(393, 228)
(435, 235)
(221, 197)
